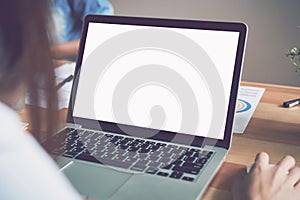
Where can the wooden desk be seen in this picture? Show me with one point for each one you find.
(272, 129)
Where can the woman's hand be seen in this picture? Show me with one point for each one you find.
(267, 182)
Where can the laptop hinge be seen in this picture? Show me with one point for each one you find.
(208, 147)
(73, 125)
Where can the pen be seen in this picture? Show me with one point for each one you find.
(66, 80)
(291, 103)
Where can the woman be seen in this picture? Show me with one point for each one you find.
(26, 171)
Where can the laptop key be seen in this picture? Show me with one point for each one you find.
(133, 149)
(109, 135)
(201, 155)
(70, 154)
(154, 147)
(193, 165)
(154, 164)
(165, 160)
(139, 168)
(141, 156)
(186, 178)
(176, 152)
(207, 152)
(177, 162)
(68, 129)
(189, 153)
(153, 158)
(162, 174)
(88, 158)
(166, 155)
(151, 170)
(186, 170)
(124, 142)
(145, 145)
(190, 159)
(130, 159)
(119, 158)
(142, 162)
(176, 175)
(195, 150)
(183, 148)
(155, 153)
(201, 160)
(143, 150)
(107, 156)
(122, 146)
(167, 166)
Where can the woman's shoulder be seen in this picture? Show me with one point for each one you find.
(26, 170)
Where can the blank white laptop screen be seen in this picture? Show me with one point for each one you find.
(172, 79)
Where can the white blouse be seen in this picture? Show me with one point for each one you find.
(26, 170)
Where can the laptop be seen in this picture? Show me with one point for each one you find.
(152, 107)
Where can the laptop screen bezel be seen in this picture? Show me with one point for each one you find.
(172, 23)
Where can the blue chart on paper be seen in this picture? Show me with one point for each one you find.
(242, 106)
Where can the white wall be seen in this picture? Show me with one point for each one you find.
(273, 29)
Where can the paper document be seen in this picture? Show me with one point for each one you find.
(248, 99)
(64, 92)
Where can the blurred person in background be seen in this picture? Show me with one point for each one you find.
(68, 19)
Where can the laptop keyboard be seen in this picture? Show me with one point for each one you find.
(139, 155)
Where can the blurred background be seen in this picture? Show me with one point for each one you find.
(274, 28)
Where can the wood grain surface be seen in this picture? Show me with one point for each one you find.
(273, 129)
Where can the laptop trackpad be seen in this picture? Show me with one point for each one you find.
(95, 181)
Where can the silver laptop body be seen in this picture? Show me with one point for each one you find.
(152, 107)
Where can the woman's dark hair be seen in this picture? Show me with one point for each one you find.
(25, 59)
